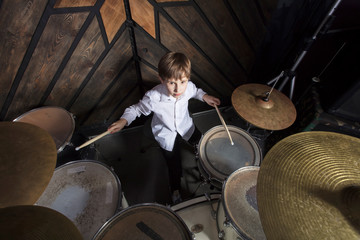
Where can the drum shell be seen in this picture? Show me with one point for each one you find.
(218, 158)
(237, 213)
(143, 220)
(86, 191)
(58, 122)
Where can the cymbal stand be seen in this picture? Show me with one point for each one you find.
(291, 73)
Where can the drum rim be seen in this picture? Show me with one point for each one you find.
(194, 201)
(226, 210)
(118, 205)
(205, 162)
(68, 138)
(110, 220)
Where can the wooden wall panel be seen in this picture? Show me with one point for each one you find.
(74, 3)
(143, 13)
(82, 61)
(173, 40)
(107, 72)
(18, 22)
(116, 94)
(194, 26)
(52, 47)
(267, 8)
(225, 25)
(113, 15)
(149, 76)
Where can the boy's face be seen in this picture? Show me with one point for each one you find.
(176, 87)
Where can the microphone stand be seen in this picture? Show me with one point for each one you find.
(291, 73)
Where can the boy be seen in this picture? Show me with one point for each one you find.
(171, 120)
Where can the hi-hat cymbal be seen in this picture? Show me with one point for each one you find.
(27, 161)
(36, 223)
(309, 187)
(276, 112)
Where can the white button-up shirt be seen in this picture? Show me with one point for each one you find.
(171, 115)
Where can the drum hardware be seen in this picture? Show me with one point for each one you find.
(27, 160)
(263, 106)
(213, 211)
(307, 180)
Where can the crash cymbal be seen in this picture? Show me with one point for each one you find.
(27, 162)
(273, 113)
(35, 223)
(309, 187)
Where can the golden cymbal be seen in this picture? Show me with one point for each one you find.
(36, 223)
(273, 113)
(27, 161)
(309, 187)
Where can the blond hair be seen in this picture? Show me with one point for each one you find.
(174, 65)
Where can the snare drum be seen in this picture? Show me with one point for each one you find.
(199, 214)
(144, 221)
(219, 158)
(58, 122)
(87, 192)
(237, 214)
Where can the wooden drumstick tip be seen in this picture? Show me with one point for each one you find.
(77, 149)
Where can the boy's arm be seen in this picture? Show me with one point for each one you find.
(211, 100)
(118, 125)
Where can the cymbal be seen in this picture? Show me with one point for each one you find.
(36, 223)
(27, 161)
(309, 187)
(275, 113)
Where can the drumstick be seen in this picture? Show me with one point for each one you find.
(223, 122)
(92, 140)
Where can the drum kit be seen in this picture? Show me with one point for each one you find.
(307, 187)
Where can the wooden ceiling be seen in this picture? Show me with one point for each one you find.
(96, 57)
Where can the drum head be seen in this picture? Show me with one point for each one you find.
(58, 122)
(240, 203)
(220, 158)
(145, 221)
(87, 192)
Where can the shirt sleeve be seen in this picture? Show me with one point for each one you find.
(143, 107)
(197, 93)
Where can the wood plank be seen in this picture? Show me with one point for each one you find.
(174, 41)
(150, 77)
(267, 8)
(142, 12)
(113, 15)
(223, 22)
(74, 3)
(117, 93)
(18, 21)
(81, 62)
(115, 60)
(195, 27)
(250, 19)
(55, 41)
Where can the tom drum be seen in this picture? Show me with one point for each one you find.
(86, 191)
(58, 122)
(218, 158)
(237, 214)
(144, 221)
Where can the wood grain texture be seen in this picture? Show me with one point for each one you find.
(113, 15)
(142, 12)
(55, 41)
(250, 19)
(117, 93)
(18, 21)
(149, 76)
(74, 3)
(174, 41)
(110, 67)
(223, 22)
(194, 26)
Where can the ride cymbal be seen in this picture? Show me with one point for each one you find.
(276, 112)
(309, 187)
(36, 223)
(27, 161)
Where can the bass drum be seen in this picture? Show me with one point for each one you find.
(218, 158)
(58, 122)
(238, 214)
(144, 221)
(199, 214)
(87, 192)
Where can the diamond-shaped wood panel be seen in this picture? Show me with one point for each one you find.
(143, 13)
(74, 3)
(113, 15)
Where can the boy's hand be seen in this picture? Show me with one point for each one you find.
(117, 126)
(212, 101)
